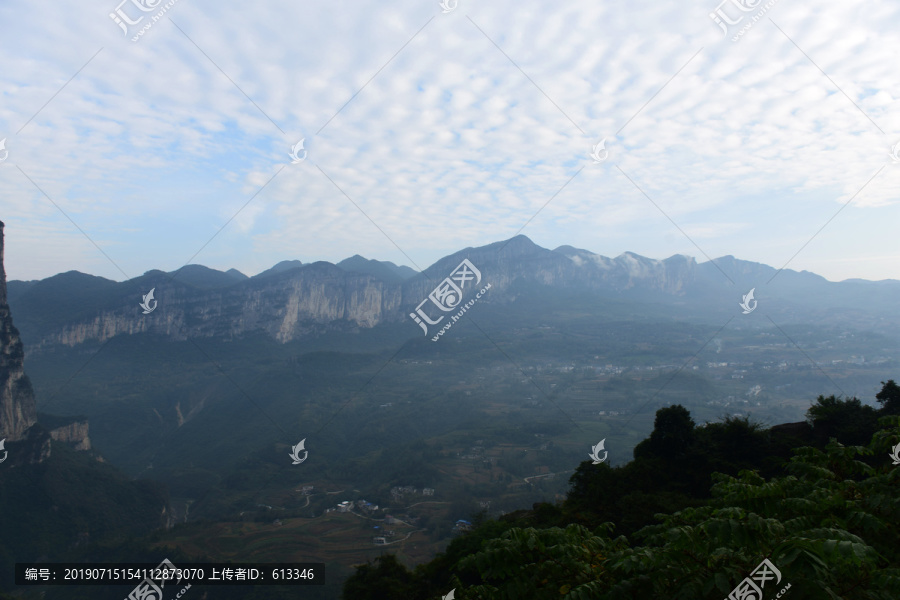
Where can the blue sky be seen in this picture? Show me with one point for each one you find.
(428, 132)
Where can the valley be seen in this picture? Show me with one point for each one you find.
(411, 443)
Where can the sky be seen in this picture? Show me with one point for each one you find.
(429, 128)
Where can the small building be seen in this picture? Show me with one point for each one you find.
(428, 491)
(379, 541)
(463, 525)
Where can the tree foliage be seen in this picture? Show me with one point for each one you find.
(831, 527)
(889, 398)
(850, 421)
(829, 520)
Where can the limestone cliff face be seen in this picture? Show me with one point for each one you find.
(17, 406)
(285, 307)
(74, 433)
(321, 297)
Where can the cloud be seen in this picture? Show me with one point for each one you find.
(423, 134)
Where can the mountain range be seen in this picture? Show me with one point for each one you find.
(293, 300)
(206, 386)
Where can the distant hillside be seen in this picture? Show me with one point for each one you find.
(384, 270)
(205, 278)
(285, 265)
(293, 301)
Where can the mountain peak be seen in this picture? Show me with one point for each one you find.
(206, 278)
(520, 243)
(384, 270)
(285, 265)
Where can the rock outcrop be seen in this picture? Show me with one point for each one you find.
(75, 433)
(294, 301)
(17, 407)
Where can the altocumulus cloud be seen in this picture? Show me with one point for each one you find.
(153, 146)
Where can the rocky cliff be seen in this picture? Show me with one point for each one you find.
(75, 433)
(285, 306)
(320, 297)
(295, 300)
(17, 407)
(25, 441)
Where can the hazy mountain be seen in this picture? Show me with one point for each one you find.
(293, 301)
(384, 270)
(208, 391)
(285, 265)
(206, 278)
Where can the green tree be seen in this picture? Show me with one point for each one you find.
(673, 434)
(849, 421)
(732, 445)
(829, 521)
(386, 579)
(889, 398)
(830, 527)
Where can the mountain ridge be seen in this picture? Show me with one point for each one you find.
(294, 300)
